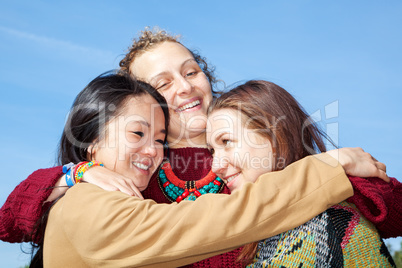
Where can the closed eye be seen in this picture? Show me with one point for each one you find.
(139, 133)
(160, 141)
(162, 86)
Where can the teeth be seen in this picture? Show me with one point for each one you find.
(232, 177)
(141, 166)
(189, 105)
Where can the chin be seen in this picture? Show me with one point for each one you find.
(198, 127)
(142, 184)
(236, 186)
(234, 189)
(142, 187)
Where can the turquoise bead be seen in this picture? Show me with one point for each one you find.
(191, 197)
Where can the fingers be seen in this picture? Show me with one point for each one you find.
(381, 166)
(377, 169)
(382, 175)
(127, 186)
(135, 189)
(111, 181)
(125, 189)
(382, 171)
(138, 194)
(108, 187)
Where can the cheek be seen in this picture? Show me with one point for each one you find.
(126, 148)
(169, 96)
(220, 155)
(208, 95)
(264, 162)
(207, 101)
(204, 85)
(108, 157)
(157, 161)
(159, 155)
(175, 123)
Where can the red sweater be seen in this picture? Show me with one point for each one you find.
(192, 164)
(378, 201)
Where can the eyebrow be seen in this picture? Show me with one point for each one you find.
(164, 73)
(186, 61)
(142, 122)
(220, 135)
(156, 76)
(145, 123)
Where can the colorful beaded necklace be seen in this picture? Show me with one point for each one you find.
(177, 190)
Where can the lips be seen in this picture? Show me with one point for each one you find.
(189, 105)
(141, 165)
(230, 178)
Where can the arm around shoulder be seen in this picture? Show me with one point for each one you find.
(320, 172)
(25, 205)
(121, 231)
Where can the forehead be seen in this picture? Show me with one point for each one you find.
(223, 120)
(144, 106)
(166, 56)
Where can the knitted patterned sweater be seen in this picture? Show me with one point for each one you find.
(338, 237)
(378, 201)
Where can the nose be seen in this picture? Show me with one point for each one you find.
(149, 149)
(184, 86)
(219, 165)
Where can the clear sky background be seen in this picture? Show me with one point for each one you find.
(341, 59)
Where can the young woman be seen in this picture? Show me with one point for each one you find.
(121, 124)
(259, 127)
(186, 82)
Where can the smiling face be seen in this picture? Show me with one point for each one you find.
(132, 144)
(172, 70)
(240, 154)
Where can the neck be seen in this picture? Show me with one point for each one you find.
(198, 141)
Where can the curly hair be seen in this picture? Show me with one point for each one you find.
(150, 38)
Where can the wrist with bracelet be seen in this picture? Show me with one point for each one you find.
(74, 173)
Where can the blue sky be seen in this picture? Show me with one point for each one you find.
(341, 59)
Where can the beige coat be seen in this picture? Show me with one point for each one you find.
(90, 227)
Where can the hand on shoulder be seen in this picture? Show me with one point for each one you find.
(357, 162)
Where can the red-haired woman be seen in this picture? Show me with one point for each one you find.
(258, 127)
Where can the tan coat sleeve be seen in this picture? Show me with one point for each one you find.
(111, 229)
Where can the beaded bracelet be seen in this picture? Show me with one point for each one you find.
(76, 168)
(84, 166)
(67, 168)
(74, 174)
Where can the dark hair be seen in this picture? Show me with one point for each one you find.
(98, 103)
(276, 115)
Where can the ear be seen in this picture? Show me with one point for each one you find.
(91, 151)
